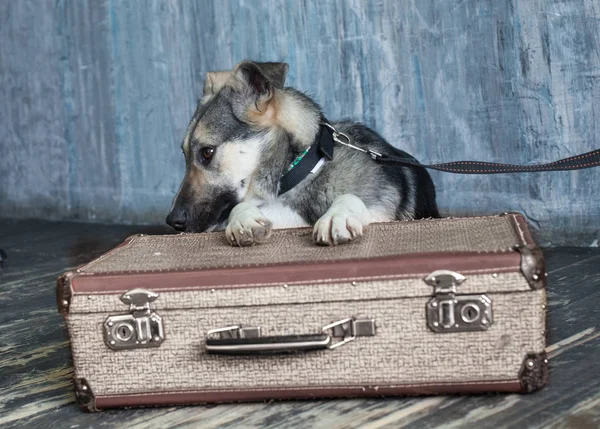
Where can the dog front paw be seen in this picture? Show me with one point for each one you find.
(343, 222)
(337, 229)
(247, 226)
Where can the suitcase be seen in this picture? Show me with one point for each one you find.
(431, 306)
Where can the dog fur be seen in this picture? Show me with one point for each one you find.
(245, 132)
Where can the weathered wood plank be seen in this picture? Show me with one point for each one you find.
(585, 415)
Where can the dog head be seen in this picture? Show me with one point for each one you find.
(224, 143)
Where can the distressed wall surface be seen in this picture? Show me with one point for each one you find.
(95, 95)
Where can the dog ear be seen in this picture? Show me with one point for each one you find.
(262, 78)
(275, 72)
(215, 81)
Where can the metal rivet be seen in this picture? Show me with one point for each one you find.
(545, 360)
(434, 304)
(455, 301)
(127, 297)
(484, 321)
(456, 325)
(285, 286)
(141, 235)
(545, 274)
(530, 363)
(110, 323)
(354, 283)
(157, 338)
(436, 324)
(90, 297)
(543, 307)
(212, 291)
(495, 275)
(241, 232)
(78, 270)
(535, 277)
(112, 342)
(65, 303)
(433, 279)
(137, 342)
(84, 388)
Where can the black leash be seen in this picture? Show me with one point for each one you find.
(577, 162)
(322, 148)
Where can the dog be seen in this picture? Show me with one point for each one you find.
(246, 133)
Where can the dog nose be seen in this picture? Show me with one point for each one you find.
(177, 218)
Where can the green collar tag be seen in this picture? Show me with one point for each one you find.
(297, 160)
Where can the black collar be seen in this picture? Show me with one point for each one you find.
(321, 148)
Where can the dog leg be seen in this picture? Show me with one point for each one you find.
(343, 222)
(247, 226)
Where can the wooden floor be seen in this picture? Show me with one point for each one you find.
(35, 364)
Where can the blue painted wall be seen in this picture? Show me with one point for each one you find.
(95, 95)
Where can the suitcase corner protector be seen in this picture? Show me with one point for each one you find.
(534, 372)
(533, 266)
(64, 292)
(84, 395)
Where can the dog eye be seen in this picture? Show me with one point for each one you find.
(206, 154)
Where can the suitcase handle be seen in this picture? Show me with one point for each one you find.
(268, 345)
(235, 340)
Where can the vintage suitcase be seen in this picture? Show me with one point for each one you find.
(421, 307)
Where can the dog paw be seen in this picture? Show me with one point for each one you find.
(247, 226)
(343, 222)
(337, 229)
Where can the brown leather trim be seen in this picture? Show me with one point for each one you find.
(262, 394)
(522, 229)
(64, 283)
(323, 272)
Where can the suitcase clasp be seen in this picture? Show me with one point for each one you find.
(140, 329)
(449, 312)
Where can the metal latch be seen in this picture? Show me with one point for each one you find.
(347, 330)
(140, 329)
(449, 312)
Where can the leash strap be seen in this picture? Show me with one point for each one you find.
(578, 162)
(322, 149)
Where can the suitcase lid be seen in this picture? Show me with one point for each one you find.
(387, 251)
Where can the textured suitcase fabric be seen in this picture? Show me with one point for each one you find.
(478, 327)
